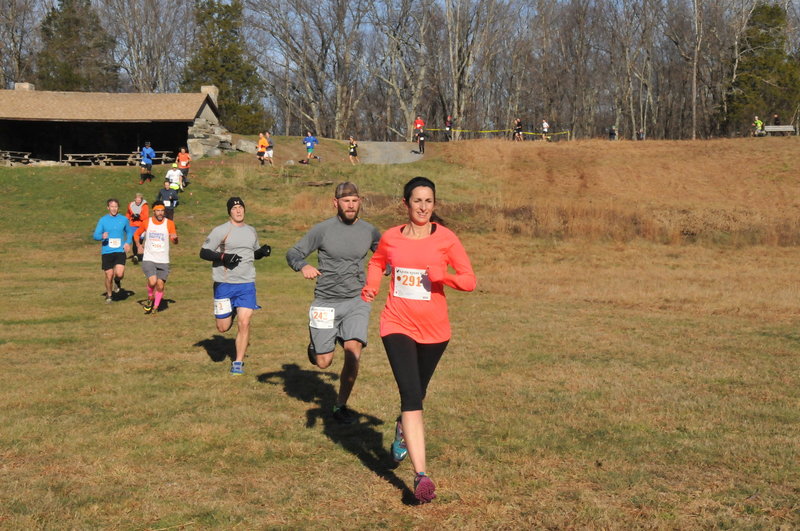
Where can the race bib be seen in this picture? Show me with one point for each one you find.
(309, 144)
(115, 242)
(321, 317)
(222, 307)
(158, 245)
(167, 203)
(411, 284)
(184, 163)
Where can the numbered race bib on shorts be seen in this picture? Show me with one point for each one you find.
(411, 284)
(115, 242)
(222, 306)
(321, 317)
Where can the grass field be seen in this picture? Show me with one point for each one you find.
(630, 359)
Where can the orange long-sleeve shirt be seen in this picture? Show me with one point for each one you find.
(416, 305)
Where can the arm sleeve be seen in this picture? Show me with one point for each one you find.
(129, 230)
(296, 256)
(171, 227)
(464, 277)
(376, 238)
(208, 254)
(209, 249)
(256, 245)
(376, 267)
(98, 231)
(141, 230)
(145, 211)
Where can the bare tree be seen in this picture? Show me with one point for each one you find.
(152, 40)
(18, 39)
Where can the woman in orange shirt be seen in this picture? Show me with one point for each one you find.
(414, 326)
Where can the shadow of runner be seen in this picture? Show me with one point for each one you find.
(361, 439)
(219, 348)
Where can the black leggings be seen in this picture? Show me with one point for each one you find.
(413, 365)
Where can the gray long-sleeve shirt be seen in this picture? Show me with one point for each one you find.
(341, 250)
(231, 239)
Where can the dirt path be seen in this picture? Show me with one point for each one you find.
(387, 152)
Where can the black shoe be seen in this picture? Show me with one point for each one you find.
(312, 356)
(135, 259)
(344, 415)
(117, 287)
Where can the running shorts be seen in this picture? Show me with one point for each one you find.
(153, 269)
(229, 296)
(269, 153)
(337, 321)
(109, 260)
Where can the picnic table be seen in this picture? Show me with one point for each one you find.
(15, 156)
(111, 159)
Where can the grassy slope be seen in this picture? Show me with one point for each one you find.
(596, 378)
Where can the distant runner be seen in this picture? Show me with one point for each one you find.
(158, 234)
(310, 142)
(138, 212)
(337, 314)
(146, 164)
(261, 149)
(184, 164)
(232, 248)
(116, 234)
(353, 151)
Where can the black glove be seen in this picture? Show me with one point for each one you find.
(231, 260)
(135, 217)
(264, 250)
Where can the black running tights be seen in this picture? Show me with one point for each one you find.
(413, 365)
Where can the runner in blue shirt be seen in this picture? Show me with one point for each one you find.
(310, 142)
(115, 232)
(146, 165)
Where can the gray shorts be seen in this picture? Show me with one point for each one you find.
(160, 271)
(350, 320)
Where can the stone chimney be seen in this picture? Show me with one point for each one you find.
(24, 86)
(212, 91)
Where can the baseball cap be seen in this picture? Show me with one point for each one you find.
(346, 189)
(233, 201)
(174, 165)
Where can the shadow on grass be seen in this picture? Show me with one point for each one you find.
(361, 439)
(219, 348)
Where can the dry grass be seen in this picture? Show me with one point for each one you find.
(592, 382)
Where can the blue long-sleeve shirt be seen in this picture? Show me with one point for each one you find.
(310, 142)
(119, 233)
(148, 154)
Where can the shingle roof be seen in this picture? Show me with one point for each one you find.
(100, 106)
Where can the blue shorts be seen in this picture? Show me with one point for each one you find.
(227, 297)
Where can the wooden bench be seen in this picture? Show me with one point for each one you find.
(779, 129)
(76, 159)
(110, 159)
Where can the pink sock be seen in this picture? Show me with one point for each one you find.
(159, 296)
(149, 293)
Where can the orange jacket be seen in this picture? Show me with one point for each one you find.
(419, 271)
(143, 215)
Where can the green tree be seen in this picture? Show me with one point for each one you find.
(221, 59)
(768, 78)
(77, 53)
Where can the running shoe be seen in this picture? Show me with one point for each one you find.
(344, 415)
(399, 450)
(109, 300)
(424, 489)
(237, 368)
(148, 307)
(117, 287)
(135, 259)
(312, 355)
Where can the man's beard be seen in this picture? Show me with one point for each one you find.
(347, 221)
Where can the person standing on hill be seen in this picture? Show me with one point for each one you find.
(116, 235)
(517, 130)
(232, 249)
(337, 314)
(146, 164)
(448, 128)
(184, 160)
(138, 212)
(545, 129)
(415, 327)
(310, 141)
(158, 233)
(419, 123)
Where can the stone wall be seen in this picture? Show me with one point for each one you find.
(212, 140)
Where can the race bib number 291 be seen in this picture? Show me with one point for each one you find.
(411, 284)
